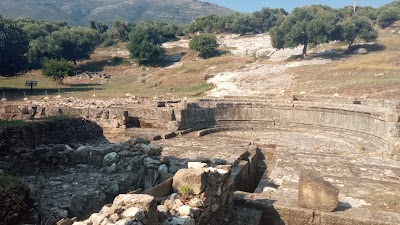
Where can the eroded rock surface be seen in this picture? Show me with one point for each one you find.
(316, 193)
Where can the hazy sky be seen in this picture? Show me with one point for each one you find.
(254, 5)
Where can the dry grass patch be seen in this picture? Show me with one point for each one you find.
(376, 74)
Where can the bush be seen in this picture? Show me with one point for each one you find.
(146, 52)
(205, 44)
(58, 69)
(387, 17)
(146, 39)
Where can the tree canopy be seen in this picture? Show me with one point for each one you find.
(356, 27)
(388, 14)
(58, 69)
(205, 44)
(13, 46)
(258, 22)
(310, 25)
(69, 43)
(145, 41)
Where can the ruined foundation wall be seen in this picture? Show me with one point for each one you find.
(177, 116)
(194, 116)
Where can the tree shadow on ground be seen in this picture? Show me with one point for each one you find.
(375, 47)
(98, 65)
(339, 53)
(84, 85)
(170, 63)
(18, 93)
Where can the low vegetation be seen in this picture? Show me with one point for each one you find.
(205, 44)
(185, 192)
(372, 75)
(58, 69)
(12, 123)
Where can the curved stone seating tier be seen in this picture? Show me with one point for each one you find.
(372, 128)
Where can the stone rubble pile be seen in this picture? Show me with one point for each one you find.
(202, 195)
(126, 209)
(205, 197)
(77, 180)
(102, 103)
(112, 158)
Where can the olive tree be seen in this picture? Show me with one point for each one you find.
(70, 43)
(58, 69)
(353, 28)
(310, 25)
(145, 45)
(13, 46)
(205, 44)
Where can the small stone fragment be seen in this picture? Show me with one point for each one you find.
(134, 213)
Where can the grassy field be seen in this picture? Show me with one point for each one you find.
(188, 79)
(374, 75)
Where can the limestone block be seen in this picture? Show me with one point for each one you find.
(97, 218)
(124, 222)
(134, 213)
(79, 223)
(197, 165)
(316, 193)
(193, 178)
(185, 210)
(145, 202)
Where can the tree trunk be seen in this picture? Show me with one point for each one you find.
(305, 50)
(305, 43)
(348, 47)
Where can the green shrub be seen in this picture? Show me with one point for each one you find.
(58, 69)
(205, 44)
(388, 17)
(185, 192)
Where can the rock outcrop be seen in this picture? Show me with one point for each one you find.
(316, 193)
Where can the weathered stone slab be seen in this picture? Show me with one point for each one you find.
(316, 193)
(146, 203)
(193, 178)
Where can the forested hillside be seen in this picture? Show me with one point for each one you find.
(80, 12)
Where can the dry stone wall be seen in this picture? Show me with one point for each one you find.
(202, 195)
(172, 116)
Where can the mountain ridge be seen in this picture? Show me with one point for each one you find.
(79, 12)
